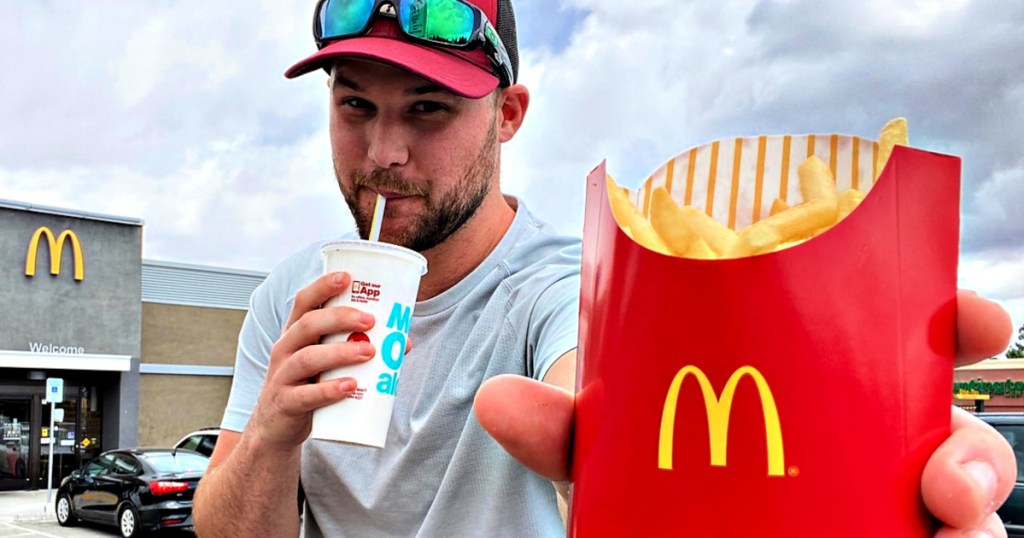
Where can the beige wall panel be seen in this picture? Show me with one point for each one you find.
(171, 406)
(173, 334)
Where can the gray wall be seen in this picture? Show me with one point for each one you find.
(102, 313)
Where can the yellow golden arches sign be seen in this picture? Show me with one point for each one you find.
(718, 410)
(56, 245)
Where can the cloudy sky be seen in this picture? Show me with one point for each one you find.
(176, 111)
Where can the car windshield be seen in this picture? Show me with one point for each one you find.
(182, 462)
(1015, 436)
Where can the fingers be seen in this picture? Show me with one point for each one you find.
(313, 325)
(304, 399)
(983, 328)
(310, 361)
(992, 527)
(970, 474)
(317, 293)
(531, 420)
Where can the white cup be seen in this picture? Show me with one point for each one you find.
(385, 281)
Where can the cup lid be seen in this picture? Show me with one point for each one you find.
(376, 247)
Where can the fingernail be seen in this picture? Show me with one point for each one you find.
(985, 476)
(976, 533)
(337, 279)
(365, 317)
(347, 385)
(365, 349)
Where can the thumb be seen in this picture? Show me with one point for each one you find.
(531, 420)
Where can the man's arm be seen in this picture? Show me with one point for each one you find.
(251, 484)
(244, 489)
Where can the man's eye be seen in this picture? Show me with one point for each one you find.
(428, 106)
(357, 103)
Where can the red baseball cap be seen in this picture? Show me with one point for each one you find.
(465, 73)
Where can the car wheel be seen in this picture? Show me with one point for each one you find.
(128, 521)
(65, 511)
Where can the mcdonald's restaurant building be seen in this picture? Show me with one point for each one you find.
(135, 352)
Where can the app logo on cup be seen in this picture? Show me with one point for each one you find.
(365, 292)
(718, 410)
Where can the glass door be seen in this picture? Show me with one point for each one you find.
(15, 437)
(63, 439)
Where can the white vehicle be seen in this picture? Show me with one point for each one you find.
(201, 441)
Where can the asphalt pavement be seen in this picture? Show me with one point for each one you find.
(24, 506)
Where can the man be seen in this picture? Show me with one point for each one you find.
(420, 123)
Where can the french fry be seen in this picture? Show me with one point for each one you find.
(723, 241)
(789, 244)
(692, 233)
(894, 133)
(699, 250)
(816, 180)
(631, 221)
(848, 201)
(667, 219)
(778, 206)
(796, 223)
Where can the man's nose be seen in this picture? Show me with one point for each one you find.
(388, 145)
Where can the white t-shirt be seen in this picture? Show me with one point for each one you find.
(440, 473)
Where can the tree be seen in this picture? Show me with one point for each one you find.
(1016, 351)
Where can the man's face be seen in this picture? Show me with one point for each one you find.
(432, 154)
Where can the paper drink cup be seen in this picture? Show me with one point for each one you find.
(385, 281)
(796, 393)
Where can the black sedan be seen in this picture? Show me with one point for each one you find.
(136, 490)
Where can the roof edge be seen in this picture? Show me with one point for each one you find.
(37, 208)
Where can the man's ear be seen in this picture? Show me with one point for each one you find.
(512, 104)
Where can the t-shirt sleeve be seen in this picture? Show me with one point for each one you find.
(261, 328)
(554, 324)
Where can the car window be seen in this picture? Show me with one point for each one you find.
(181, 462)
(201, 443)
(1014, 434)
(100, 466)
(126, 464)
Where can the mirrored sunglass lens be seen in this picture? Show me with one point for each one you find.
(344, 17)
(444, 21)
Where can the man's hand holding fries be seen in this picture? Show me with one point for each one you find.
(967, 477)
(965, 480)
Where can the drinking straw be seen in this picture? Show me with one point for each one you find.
(378, 216)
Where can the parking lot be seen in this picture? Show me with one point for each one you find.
(26, 514)
(50, 528)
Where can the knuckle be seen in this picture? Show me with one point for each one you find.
(306, 363)
(305, 324)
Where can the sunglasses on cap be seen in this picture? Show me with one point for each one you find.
(447, 23)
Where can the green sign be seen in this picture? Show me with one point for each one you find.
(1008, 388)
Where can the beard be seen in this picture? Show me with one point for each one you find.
(444, 213)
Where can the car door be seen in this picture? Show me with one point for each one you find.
(85, 492)
(1012, 511)
(114, 485)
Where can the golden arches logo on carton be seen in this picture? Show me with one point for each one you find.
(718, 410)
(56, 246)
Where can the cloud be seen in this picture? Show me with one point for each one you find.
(997, 275)
(177, 112)
(640, 83)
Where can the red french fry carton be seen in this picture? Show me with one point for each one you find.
(796, 393)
